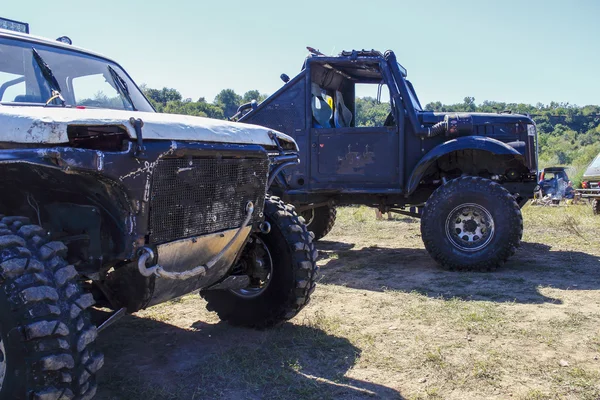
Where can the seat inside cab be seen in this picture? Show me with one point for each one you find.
(334, 91)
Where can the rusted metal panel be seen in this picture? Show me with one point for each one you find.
(355, 156)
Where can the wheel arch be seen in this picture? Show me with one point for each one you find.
(67, 200)
(493, 151)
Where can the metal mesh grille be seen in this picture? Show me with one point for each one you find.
(197, 196)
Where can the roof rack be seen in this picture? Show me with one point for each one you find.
(361, 53)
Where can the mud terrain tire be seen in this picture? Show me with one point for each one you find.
(320, 220)
(471, 223)
(46, 337)
(293, 277)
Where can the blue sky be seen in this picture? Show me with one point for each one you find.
(513, 51)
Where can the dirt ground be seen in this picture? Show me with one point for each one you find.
(386, 322)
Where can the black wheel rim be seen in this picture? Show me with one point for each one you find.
(470, 227)
(257, 287)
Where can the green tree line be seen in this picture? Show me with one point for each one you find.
(225, 105)
(567, 134)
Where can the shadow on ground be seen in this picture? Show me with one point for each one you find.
(412, 269)
(150, 360)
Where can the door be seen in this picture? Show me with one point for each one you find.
(361, 156)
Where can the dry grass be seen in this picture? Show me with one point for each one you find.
(386, 322)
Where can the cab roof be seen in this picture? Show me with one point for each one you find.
(48, 42)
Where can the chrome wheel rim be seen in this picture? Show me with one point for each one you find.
(258, 286)
(470, 227)
(2, 362)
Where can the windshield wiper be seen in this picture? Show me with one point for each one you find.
(121, 86)
(49, 77)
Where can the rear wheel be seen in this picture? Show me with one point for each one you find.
(46, 338)
(282, 268)
(471, 223)
(320, 220)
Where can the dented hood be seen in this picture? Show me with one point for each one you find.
(48, 125)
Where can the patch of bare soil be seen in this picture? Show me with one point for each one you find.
(386, 322)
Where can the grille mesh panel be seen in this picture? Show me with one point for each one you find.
(191, 197)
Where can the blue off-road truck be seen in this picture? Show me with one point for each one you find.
(466, 175)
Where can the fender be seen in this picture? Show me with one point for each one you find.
(71, 182)
(483, 143)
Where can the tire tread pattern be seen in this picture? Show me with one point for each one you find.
(305, 270)
(323, 221)
(440, 196)
(43, 292)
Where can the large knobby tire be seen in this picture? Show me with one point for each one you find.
(292, 280)
(471, 223)
(320, 220)
(47, 340)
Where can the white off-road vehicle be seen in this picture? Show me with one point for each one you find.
(106, 202)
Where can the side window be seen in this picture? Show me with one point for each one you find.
(372, 105)
(15, 89)
(96, 91)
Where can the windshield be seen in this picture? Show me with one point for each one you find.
(403, 70)
(83, 79)
(413, 97)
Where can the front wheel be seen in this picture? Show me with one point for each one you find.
(471, 223)
(46, 339)
(282, 268)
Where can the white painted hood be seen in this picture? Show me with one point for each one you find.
(48, 125)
